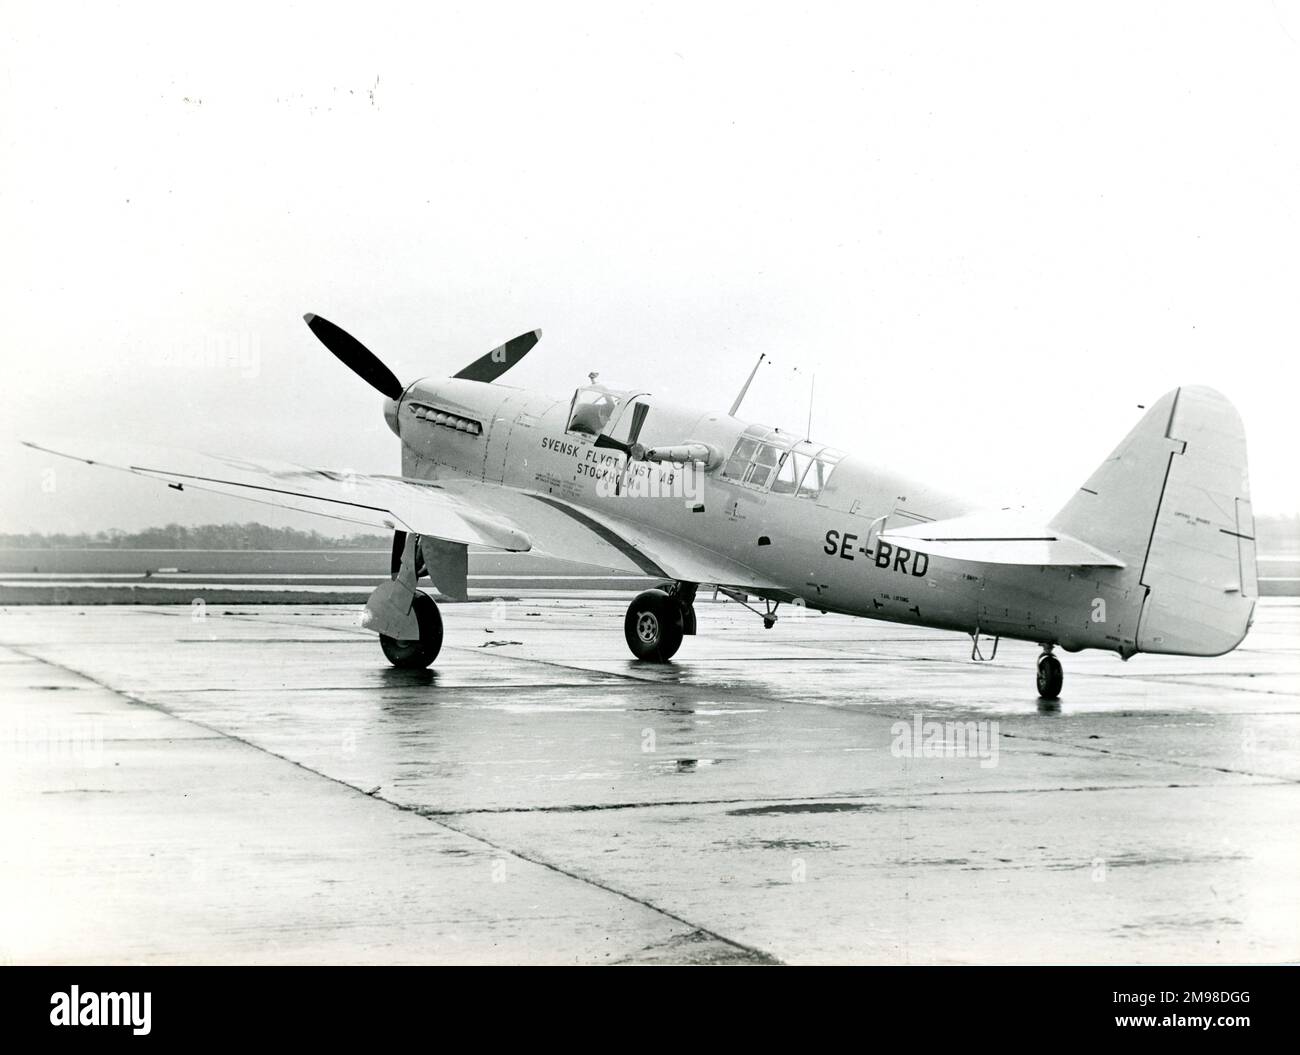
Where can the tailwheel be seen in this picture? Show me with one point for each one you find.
(1050, 675)
(417, 654)
(654, 626)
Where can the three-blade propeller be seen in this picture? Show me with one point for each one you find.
(367, 366)
(634, 451)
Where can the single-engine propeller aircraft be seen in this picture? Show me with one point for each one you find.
(1154, 553)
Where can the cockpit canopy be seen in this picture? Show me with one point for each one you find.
(771, 460)
(592, 409)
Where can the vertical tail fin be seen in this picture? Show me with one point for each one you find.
(1173, 502)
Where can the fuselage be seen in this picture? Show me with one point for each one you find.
(816, 544)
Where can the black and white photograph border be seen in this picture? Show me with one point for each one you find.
(889, 556)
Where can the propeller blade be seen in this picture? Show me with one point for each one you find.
(613, 444)
(355, 356)
(639, 413)
(633, 449)
(499, 360)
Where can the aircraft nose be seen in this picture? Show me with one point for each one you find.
(390, 416)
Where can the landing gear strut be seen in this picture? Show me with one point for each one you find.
(1050, 675)
(407, 620)
(657, 620)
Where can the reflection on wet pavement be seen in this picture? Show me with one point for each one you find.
(259, 786)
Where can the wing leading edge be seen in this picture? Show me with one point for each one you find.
(470, 512)
(387, 502)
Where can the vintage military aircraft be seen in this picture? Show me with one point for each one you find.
(1154, 553)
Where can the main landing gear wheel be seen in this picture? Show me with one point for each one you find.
(1050, 676)
(416, 655)
(654, 626)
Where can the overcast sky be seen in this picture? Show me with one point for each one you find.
(992, 230)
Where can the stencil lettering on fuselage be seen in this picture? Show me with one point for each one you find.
(611, 472)
(885, 556)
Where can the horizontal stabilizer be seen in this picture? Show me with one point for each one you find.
(999, 538)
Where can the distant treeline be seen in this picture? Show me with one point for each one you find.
(204, 536)
(1275, 534)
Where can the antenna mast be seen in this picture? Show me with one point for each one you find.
(745, 388)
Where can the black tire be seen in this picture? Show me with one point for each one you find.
(684, 594)
(416, 655)
(653, 626)
(1050, 677)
